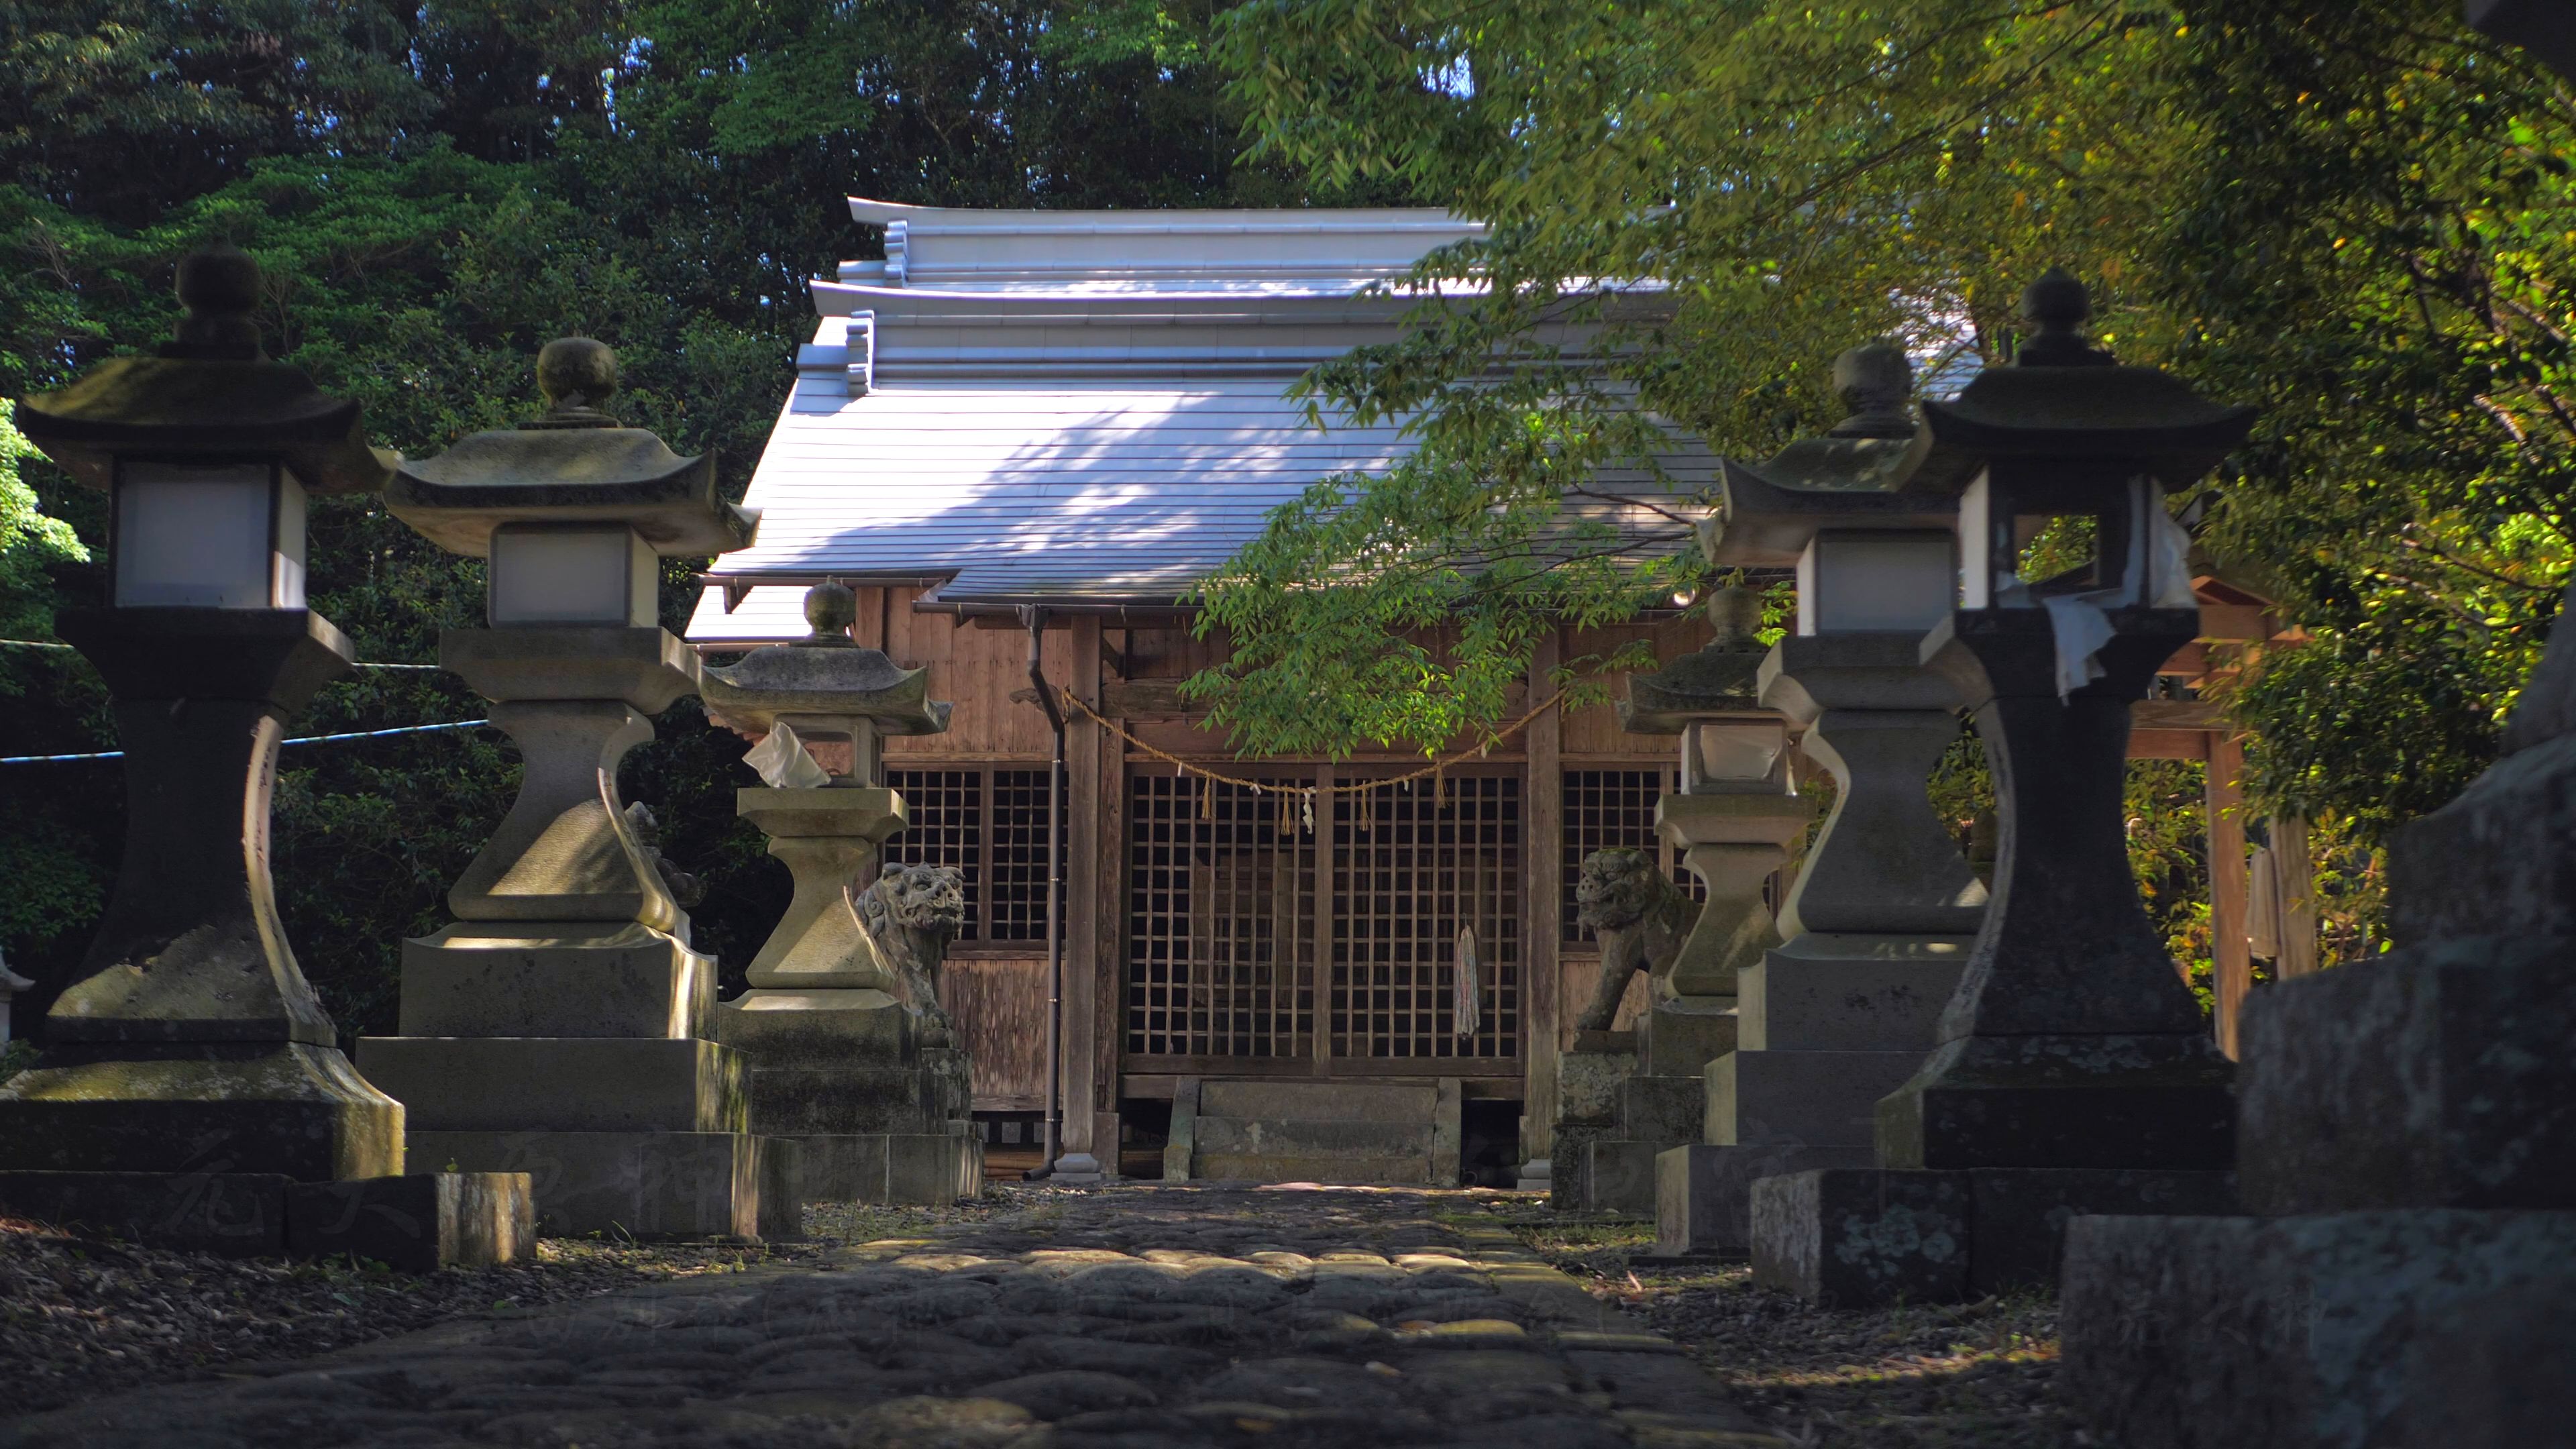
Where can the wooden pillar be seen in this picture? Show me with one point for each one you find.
(2234, 963)
(1542, 849)
(1319, 936)
(2296, 868)
(1084, 1094)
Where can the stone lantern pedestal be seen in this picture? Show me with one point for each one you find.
(192, 1091)
(562, 1026)
(2074, 1072)
(852, 1056)
(1625, 1098)
(1877, 929)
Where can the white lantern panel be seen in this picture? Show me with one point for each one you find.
(1734, 755)
(602, 576)
(1884, 581)
(199, 536)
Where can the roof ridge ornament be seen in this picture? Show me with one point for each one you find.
(576, 374)
(2056, 307)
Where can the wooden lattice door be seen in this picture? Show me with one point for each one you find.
(1411, 868)
(1224, 922)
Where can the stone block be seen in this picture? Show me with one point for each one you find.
(492, 980)
(817, 1029)
(292, 1109)
(782, 1190)
(418, 1223)
(1704, 1194)
(1256, 1136)
(2435, 1077)
(1321, 1101)
(2070, 1101)
(1859, 1238)
(2019, 1217)
(1823, 1098)
(1679, 1037)
(2328, 1331)
(1587, 1085)
(1850, 993)
(1571, 1190)
(1621, 1175)
(562, 1084)
(644, 1184)
(1662, 1109)
(802, 1101)
(1345, 1169)
(930, 1169)
(237, 1214)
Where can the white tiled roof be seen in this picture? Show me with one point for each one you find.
(1065, 407)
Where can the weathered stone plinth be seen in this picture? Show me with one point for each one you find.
(2407, 1127)
(2430, 1326)
(414, 1224)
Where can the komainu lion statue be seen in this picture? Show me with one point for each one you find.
(911, 914)
(1640, 918)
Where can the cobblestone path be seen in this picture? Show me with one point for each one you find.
(1140, 1317)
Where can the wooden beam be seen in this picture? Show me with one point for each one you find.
(1082, 1064)
(2295, 866)
(2168, 744)
(1146, 699)
(2176, 714)
(1542, 843)
(2229, 953)
(2246, 623)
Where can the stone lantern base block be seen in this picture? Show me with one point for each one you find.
(926, 1168)
(1868, 1237)
(418, 1223)
(413, 1224)
(291, 1108)
(817, 1029)
(2326, 1331)
(1589, 1081)
(642, 1184)
(1850, 992)
(1704, 1194)
(1778, 1097)
(562, 1084)
(484, 978)
(1682, 1035)
(2042, 1102)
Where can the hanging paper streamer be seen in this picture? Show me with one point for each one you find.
(1468, 985)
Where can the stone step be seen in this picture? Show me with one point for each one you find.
(562, 1084)
(646, 1184)
(1271, 1135)
(1320, 1101)
(1337, 1169)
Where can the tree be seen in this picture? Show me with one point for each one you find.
(2351, 214)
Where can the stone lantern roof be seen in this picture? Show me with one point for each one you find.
(1719, 679)
(1856, 476)
(575, 464)
(2065, 398)
(212, 390)
(825, 676)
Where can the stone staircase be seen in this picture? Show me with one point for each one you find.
(1401, 1134)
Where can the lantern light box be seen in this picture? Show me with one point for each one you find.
(207, 535)
(595, 574)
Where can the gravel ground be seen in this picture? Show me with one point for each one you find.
(1961, 1376)
(82, 1315)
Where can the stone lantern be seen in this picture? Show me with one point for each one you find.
(2074, 1073)
(562, 1025)
(1733, 820)
(1879, 924)
(192, 1087)
(852, 1055)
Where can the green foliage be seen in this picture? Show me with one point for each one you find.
(29, 540)
(2354, 215)
(434, 191)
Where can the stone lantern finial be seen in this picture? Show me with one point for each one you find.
(831, 607)
(576, 374)
(1735, 613)
(2056, 306)
(1875, 380)
(219, 285)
